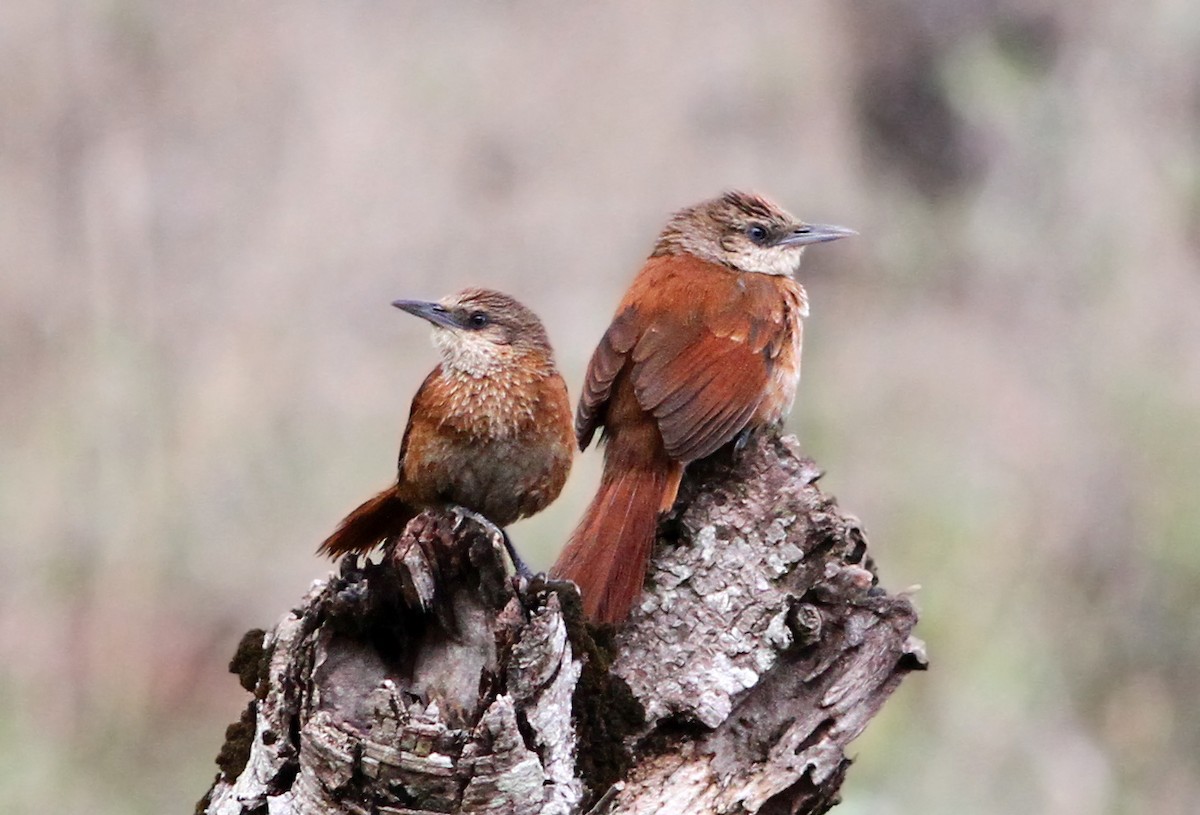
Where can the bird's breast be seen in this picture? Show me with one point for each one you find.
(500, 445)
(489, 407)
(780, 394)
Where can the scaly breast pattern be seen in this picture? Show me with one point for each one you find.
(785, 372)
(502, 446)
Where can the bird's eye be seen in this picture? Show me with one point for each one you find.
(478, 319)
(757, 233)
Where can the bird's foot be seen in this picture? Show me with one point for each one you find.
(747, 435)
(519, 566)
(741, 440)
(479, 519)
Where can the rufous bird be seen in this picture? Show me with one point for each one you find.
(489, 429)
(704, 348)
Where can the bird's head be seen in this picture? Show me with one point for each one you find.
(745, 232)
(478, 330)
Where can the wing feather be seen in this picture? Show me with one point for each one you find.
(417, 408)
(608, 359)
(702, 394)
(700, 366)
(722, 430)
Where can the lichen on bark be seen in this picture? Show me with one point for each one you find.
(431, 681)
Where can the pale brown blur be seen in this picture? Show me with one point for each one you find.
(206, 209)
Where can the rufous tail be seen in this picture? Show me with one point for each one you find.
(608, 552)
(376, 520)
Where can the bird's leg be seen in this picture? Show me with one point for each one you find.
(741, 440)
(748, 433)
(519, 565)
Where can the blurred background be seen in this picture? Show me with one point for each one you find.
(205, 210)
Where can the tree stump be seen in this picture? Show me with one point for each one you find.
(432, 682)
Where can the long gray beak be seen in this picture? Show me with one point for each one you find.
(435, 313)
(814, 233)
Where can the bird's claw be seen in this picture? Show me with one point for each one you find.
(519, 566)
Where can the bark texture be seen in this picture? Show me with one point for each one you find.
(432, 682)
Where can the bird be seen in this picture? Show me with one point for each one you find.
(489, 430)
(703, 350)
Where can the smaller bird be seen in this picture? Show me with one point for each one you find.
(489, 429)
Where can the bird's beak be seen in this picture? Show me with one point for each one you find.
(805, 234)
(435, 313)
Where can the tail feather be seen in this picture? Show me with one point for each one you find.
(376, 520)
(609, 550)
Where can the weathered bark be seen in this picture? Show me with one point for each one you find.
(431, 682)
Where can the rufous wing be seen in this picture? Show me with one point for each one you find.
(699, 346)
(702, 386)
(607, 361)
(415, 409)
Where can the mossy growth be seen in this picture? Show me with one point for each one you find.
(239, 738)
(605, 710)
(202, 804)
(251, 661)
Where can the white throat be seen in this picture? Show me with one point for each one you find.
(770, 261)
(466, 352)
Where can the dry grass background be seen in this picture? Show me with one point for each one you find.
(205, 210)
